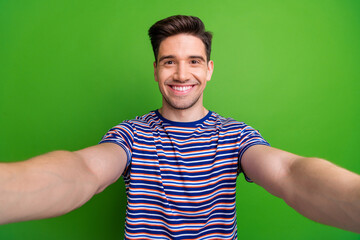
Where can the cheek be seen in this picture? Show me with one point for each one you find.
(162, 75)
(200, 74)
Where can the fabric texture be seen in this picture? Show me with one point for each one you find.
(181, 177)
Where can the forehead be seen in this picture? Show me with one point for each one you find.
(182, 45)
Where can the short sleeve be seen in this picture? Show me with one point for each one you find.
(249, 137)
(122, 135)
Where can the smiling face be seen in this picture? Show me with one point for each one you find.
(182, 71)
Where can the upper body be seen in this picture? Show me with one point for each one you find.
(182, 69)
(181, 176)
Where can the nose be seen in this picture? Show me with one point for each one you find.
(182, 73)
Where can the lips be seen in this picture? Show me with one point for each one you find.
(183, 89)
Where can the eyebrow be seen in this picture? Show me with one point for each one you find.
(166, 57)
(197, 57)
(172, 56)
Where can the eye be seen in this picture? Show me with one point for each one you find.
(169, 62)
(194, 61)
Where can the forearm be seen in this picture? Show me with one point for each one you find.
(45, 186)
(324, 192)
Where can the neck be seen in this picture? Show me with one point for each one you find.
(184, 115)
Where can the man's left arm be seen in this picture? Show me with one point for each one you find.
(314, 187)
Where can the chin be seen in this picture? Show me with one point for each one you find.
(181, 105)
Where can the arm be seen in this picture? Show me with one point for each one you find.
(58, 182)
(314, 187)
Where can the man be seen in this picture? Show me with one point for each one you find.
(179, 163)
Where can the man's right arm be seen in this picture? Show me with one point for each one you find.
(58, 182)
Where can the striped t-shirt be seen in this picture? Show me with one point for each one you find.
(181, 176)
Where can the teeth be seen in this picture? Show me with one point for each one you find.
(181, 89)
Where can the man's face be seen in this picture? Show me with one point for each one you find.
(182, 71)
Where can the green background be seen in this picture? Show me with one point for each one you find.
(70, 70)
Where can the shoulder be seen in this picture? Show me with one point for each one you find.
(227, 122)
(129, 129)
(140, 120)
(147, 122)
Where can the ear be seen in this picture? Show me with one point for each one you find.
(155, 73)
(210, 69)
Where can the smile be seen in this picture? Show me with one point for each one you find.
(182, 88)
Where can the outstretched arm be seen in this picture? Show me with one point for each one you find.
(58, 182)
(314, 187)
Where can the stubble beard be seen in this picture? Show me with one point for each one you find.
(179, 106)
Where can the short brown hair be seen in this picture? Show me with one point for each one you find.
(179, 24)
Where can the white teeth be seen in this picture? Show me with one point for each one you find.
(181, 89)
